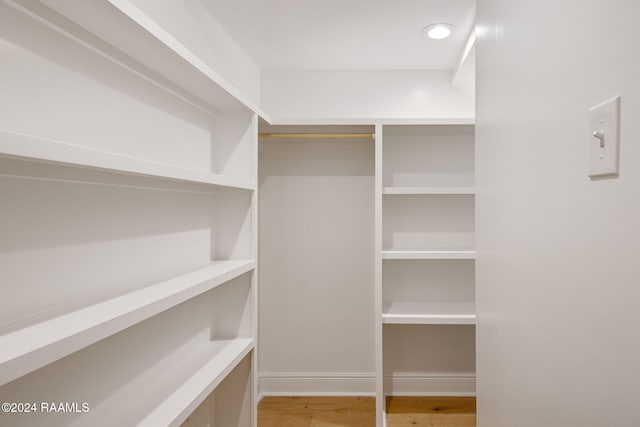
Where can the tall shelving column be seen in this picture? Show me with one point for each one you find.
(424, 262)
(129, 182)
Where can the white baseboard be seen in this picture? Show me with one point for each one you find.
(363, 384)
(316, 384)
(428, 384)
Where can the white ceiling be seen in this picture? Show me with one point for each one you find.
(345, 34)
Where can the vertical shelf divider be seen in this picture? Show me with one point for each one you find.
(254, 279)
(380, 397)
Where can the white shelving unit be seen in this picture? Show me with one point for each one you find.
(424, 266)
(129, 221)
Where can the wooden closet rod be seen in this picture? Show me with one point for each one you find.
(317, 135)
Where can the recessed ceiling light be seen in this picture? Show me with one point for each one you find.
(437, 31)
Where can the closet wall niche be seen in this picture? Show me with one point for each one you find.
(425, 255)
(316, 267)
(409, 185)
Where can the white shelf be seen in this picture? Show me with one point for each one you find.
(224, 94)
(224, 356)
(35, 346)
(428, 254)
(136, 42)
(167, 392)
(409, 313)
(429, 190)
(14, 144)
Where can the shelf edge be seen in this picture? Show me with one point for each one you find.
(429, 190)
(429, 319)
(462, 254)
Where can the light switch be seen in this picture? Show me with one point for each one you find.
(604, 139)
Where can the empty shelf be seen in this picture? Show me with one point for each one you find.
(33, 347)
(428, 254)
(166, 54)
(167, 392)
(133, 39)
(429, 190)
(430, 313)
(224, 356)
(28, 147)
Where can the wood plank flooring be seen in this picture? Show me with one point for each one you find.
(360, 412)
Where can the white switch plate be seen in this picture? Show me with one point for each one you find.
(604, 139)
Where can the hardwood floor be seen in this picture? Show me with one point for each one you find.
(431, 411)
(360, 412)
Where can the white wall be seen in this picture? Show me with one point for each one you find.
(290, 94)
(557, 269)
(316, 266)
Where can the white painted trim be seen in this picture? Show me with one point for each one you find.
(429, 384)
(363, 384)
(255, 286)
(379, 352)
(316, 384)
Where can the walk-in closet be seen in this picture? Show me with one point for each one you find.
(286, 213)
